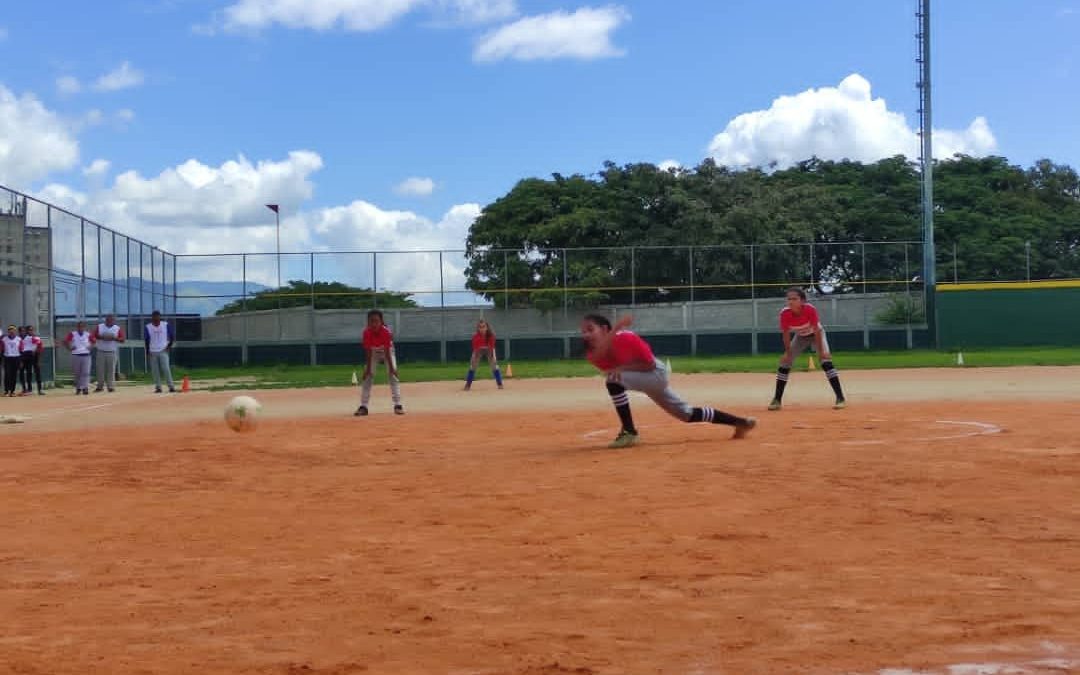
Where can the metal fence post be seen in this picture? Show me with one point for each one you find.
(311, 286)
(955, 274)
(374, 279)
(693, 323)
(633, 276)
(442, 310)
(506, 281)
(243, 309)
(1027, 259)
(565, 281)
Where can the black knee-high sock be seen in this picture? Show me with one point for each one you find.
(782, 375)
(621, 400)
(834, 378)
(713, 416)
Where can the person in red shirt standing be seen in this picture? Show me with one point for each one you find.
(629, 364)
(483, 344)
(378, 344)
(801, 319)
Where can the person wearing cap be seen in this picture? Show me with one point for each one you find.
(109, 337)
(80, 342)
(12, 344)
(158, 336)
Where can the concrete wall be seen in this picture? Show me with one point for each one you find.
(301, 324)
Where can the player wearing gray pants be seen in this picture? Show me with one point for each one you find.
(378, 344)
(629, 365)
(80, 342)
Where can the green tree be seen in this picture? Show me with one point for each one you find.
(327, 295)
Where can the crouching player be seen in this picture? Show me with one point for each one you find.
(483, 344)
(801, 319)
(629, 364)
(379, 348)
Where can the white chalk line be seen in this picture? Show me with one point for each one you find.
(87, 408)
(981, 429)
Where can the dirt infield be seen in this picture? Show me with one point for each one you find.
(933, 527)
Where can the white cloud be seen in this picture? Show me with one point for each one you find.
(68, 85)
(415, 187)
(125, 115)
(125, 76)
(3, 33)
(477, 11)
(197, 209)
(669, 165)
(584, 34)
(843, 122)
(98, 167)
(34, 141)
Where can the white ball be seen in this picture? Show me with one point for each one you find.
(242, 413)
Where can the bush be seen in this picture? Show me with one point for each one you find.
(901, 310)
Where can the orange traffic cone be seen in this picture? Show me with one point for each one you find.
(509, 371)
(185, 385)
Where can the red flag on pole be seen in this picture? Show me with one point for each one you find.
(272, 207)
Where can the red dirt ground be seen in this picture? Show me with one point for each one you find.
(144, 537)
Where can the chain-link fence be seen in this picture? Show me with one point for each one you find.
(57, 267)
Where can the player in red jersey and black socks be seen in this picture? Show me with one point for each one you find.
(629, 364)
(483, 344)
(801, 319)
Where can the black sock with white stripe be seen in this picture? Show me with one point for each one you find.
(713, 416)
(782, 375)
(834, 378)
(621, 400)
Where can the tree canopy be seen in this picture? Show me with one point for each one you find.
(328, 295)
(810, 223)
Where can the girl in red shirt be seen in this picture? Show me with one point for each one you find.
(483, 344)
(800, 319)
(629, 364)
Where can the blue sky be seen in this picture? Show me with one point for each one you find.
(416, 95)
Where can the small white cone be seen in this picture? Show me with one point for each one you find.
(668, 364)
(354, 380)
(960, 359)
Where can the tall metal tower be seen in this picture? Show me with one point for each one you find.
(926, 160)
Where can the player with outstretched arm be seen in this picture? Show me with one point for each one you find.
(629, 364)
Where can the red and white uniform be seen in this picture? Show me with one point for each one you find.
(116, 332)
(380, 339)
(483, 341)
(32, 344)
(80, 343)
(802, 324)
(626, 347)
(12, 346)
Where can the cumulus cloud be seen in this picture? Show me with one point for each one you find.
(198, 209)
(415, 187)
(843, 122)
(125, 76)
(584, 34)
(669, 165)
(98, 167)
(353, 15)
(34, 141)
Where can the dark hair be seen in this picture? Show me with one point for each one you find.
(598, 319)
(374, 312)
(155, 313)
(797, 291)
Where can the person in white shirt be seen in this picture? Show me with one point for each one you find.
(79, 342)
(109, 337)
(12, 344)
(158, 336)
